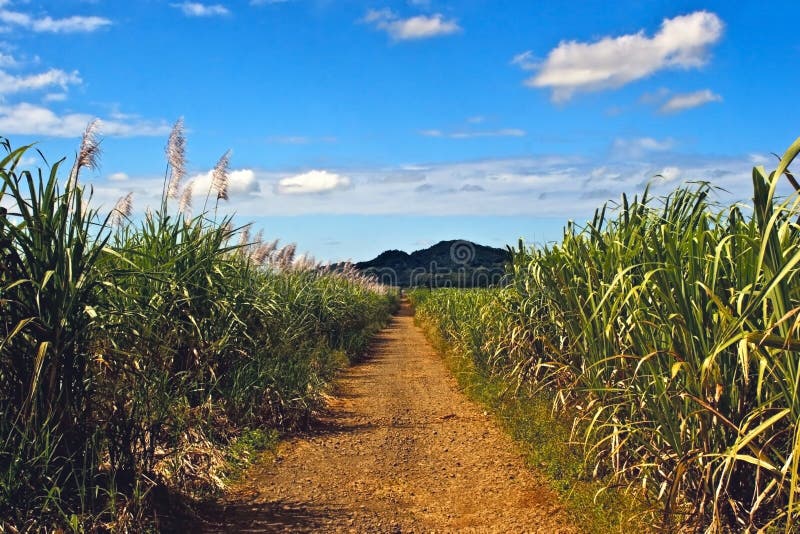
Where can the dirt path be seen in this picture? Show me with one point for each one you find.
(401, 450)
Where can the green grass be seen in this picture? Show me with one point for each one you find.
(246, 449)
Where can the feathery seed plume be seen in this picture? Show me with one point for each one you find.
(260, 254)
(176, 158)
(258, 239)
(122, 209)
(272, 247)
(89, 153)
(185, 205)
(219, 176)
(245, 239)
(286, 256)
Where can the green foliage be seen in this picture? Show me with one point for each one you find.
(671, 327)
(128, 355)
(241, 452)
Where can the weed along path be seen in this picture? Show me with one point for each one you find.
(399, 450)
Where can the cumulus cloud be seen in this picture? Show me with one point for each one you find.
(681, 42)
(412, 28)
(196, 9)
(118, 177)
(686, 101)
(73, 24)
(30, 119)
(312, 182)
(240, 182)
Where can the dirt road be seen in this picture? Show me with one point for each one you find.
(401, 450)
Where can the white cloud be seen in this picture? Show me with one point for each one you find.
(118, 177)
(669, 174)
(73, 24)
(526, 60)
(505, 132)
(312, 182)
(544, 186)
(196, 9)
(611, 62)
(10, 83)
(639, 147)
(29, 119)
(55, 97)
(685, 101)
(70, 24)
(289, 139)
(412, 28)
(240, 182)
(7, 60)
(300, 139)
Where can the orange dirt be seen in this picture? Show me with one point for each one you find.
(399, 449)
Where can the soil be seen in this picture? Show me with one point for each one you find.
(399, 449)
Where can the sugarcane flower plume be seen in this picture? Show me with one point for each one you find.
(176, 158)
(219, 176)
(185, 205)
(89, 153)
(245, 239)
(122, 209)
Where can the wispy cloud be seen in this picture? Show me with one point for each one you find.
(30, 119)
(299, 139)
(196, 9)
(681, 102)
(412, 28)
(505, 132)
(565, 187)
(611, 62)
(118, 177)
(312, 182)
(55, 97)
(638, 147)
(10, 83)
(47, 24)
(7, 60)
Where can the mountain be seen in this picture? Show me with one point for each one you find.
(455, 263)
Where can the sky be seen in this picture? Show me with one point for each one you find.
(358, 126)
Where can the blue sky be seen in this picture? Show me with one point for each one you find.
(357, 126)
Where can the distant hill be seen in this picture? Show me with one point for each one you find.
(455, 263)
